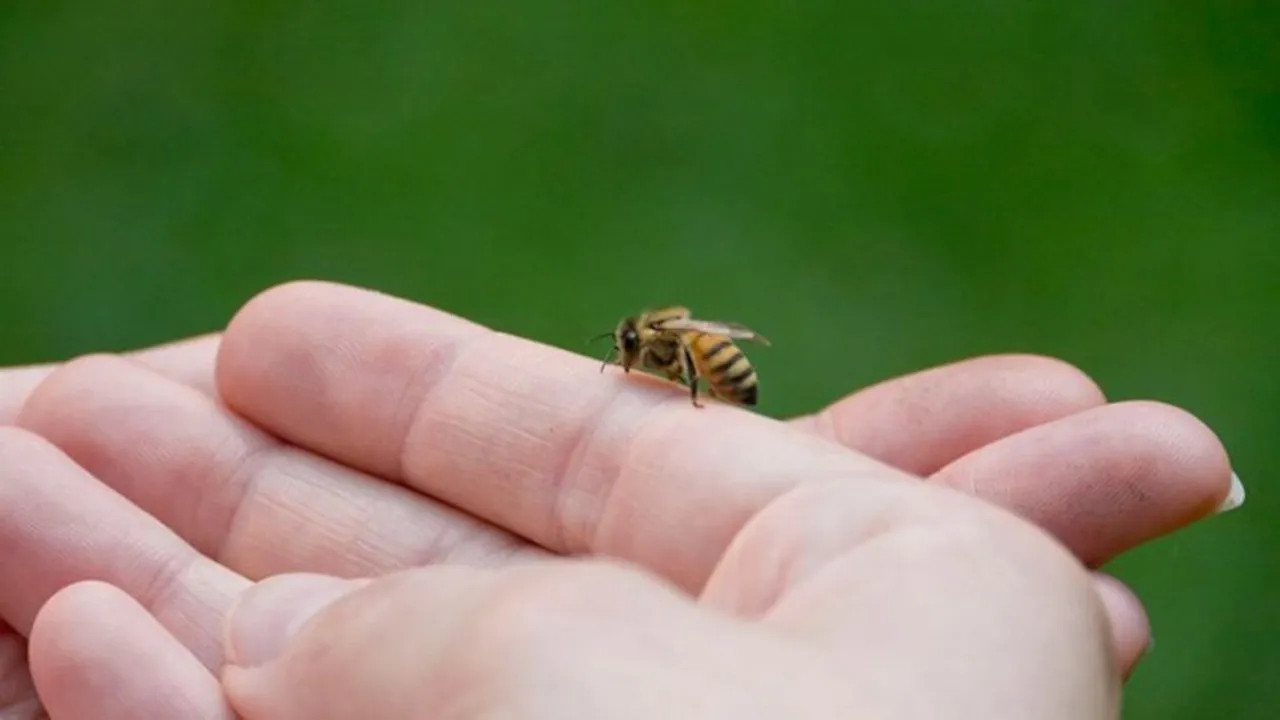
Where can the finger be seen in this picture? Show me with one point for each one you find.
(61, 526)
(189, 362)
(97, 653)
(1104, 480)
(803, 533)
(1130, 628)
(459, 642)
(15, 385)
(526, 436)
(18, 698)
(922, 421)
(933, 578)
(235, 493)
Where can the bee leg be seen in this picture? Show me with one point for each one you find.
(692, 375)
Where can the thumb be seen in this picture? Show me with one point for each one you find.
(573, 638)
(316, 646)
(269, 613)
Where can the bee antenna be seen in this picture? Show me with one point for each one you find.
(607, 355)
(601, 336)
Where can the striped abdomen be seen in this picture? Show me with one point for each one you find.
(725, 368)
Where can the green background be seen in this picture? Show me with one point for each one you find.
(878, 188)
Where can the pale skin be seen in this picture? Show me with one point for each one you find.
(724, 564)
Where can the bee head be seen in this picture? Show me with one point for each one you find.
(626, 339)
(626, 342)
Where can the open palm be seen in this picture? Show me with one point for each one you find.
(335, 430)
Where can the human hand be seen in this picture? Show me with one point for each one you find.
(338, 373)
(871, 598)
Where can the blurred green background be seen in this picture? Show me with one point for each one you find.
(878, 188)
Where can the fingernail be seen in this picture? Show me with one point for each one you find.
(269, 613)
(1235, 498)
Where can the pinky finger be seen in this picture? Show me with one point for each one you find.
(96, 653)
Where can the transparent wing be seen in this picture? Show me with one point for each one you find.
(713, 327)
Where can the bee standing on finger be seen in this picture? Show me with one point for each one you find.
(670, 341)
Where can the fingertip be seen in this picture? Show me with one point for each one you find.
(247, 690)
(16, 385)
(269, 613)
(254, 337)
(50, 642)
(247, 323)
(14, 441)
(71, 599)
(279, 304)
(187, 361)
(273, 693)
(1130, 626)
(96, 652)
(1104, 480)
(1205, 482)
(1062, 381)
(61, 394)
(287, 292)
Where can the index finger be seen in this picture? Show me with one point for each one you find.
(529, 437)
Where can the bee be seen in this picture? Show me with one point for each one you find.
(670, 341)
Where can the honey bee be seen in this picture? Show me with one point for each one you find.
(670, 341)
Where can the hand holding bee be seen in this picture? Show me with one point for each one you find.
(605, 540)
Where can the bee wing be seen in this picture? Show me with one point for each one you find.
(713, 327)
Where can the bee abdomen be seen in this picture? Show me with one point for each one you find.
(748, 394)
(739, 382)
(727, 370)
